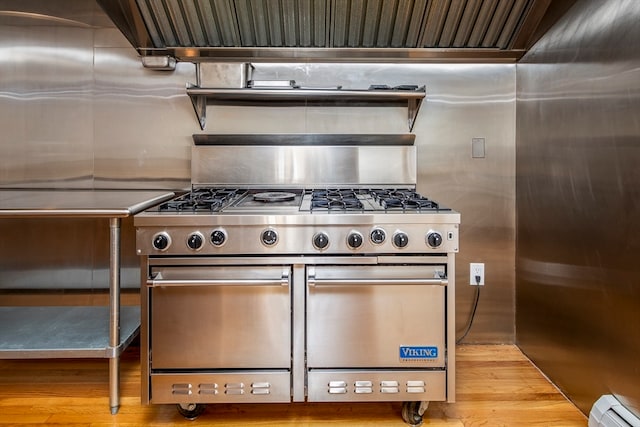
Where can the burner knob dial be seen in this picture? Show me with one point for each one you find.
(269, 237)
(161, 241)
(378, 235)
(354, 240)
(320, 240)
(195, 241)
(434, 239)
(400, 239)
(218, 237)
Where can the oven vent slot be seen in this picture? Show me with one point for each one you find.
(261, 388)
(182, 389)
(234, 388)
(208, 389)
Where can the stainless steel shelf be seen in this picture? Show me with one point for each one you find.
(64, 331)
(201, 97)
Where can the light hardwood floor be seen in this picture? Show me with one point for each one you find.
(496, 386)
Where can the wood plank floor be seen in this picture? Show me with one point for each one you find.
(496, 386)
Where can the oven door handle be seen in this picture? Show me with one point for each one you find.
(312, 281)
(158, 281)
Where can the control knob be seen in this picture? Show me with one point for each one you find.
(354, 240)
(434, 239)
(269, 237)
(378, 235)
(161, 241)
(320, 240)
(195, 241)
(218, 237)
(400, 239)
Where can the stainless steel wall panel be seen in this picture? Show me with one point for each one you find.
(466, 102)
(46, 106)
(133, 129)
(142, 123)
(578, 293)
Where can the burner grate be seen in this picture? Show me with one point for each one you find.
(403, 199)
(201, 200)
(336, 199)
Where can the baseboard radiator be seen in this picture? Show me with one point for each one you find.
(609, 412)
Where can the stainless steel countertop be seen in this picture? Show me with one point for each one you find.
(77, 203)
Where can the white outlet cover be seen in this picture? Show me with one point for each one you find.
(476, 269)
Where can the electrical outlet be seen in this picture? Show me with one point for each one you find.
(476, 269)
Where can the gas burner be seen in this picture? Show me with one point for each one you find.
(274, 196)
(403, 199)
(335, 199)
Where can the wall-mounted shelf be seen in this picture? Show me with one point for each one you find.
(201, 97)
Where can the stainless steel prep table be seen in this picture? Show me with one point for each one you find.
(65, 332)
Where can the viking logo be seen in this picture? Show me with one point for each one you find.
(418, 352)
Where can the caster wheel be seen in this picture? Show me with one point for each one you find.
(191, 411)
(412, 412)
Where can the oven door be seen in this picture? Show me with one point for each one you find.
(220, 317)
(387, 316)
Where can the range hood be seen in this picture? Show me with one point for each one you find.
(334, 30)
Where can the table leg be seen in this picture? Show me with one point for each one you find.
(114, 314)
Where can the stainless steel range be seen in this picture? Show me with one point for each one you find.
(299, 272)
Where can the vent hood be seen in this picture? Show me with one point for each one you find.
(334, 30)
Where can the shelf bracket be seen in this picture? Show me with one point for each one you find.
(200, 107)
(413, 106)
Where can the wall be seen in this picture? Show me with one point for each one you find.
(578, 202)
(78, 111)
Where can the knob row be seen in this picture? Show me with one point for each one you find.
(195, 241)
(269, 237)
(400, 239)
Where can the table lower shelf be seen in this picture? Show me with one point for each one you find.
(64, 331)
